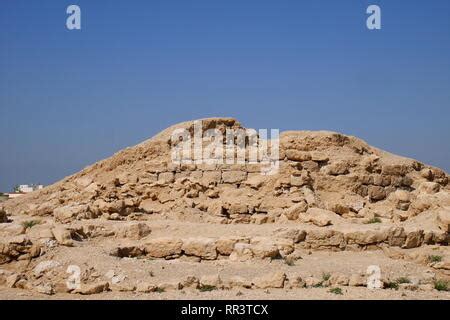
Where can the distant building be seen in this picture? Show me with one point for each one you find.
(23, 189)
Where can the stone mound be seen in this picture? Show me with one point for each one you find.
(331, 192)
(340, 175)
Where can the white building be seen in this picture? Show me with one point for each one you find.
(25, 188)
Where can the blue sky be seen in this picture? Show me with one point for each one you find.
(70, 98)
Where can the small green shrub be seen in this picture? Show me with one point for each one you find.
(403, 280)
(391, 285)
(204, 288)
(326, 276)
(336, 290)
(435, 258)
(441, 285)
(30, 223)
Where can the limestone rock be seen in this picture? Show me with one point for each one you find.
(191, 282)
(225, 245)
(325, 239)
(93, 288)
(211, 280)
(296, 281)
(241, 252)
(204, 248)
(376, 193)
(319, 217)
(255, 181)
(63, 236)
(395, 169)
(292, 213)
(150, 206)
(70, 212)
(356, 280)
(414, 239)
(312, 282)
(367, 237)
(133, 230)
(443, 265)
(339, 280)
(296, 235)
(259, 218)
(234, 176)
(429, 187)
(338, 168)
(402, 196)
(163, 247)
(339, 208)
(297, 155)
(396, 237)
(166, 177)
(273, 280)
(146, 287)
(265, 249)
(443, 219)
(12, 280)
(122, 287)
(45, 266)
(45, 288)
(237, 281)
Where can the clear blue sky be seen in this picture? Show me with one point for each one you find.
(70, 98)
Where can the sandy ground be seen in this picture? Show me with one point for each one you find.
(94, 256)
(349, 293)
